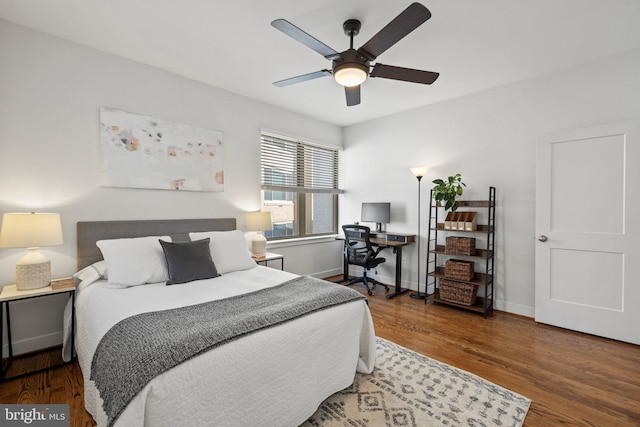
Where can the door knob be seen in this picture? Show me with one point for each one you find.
(542, 238)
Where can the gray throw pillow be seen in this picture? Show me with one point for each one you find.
(188, 261)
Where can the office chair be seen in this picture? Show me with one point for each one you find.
(359, 251)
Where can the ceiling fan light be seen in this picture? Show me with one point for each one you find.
(351, 74)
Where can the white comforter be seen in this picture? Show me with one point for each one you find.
(276, 377)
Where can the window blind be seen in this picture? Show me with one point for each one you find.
(291, 165)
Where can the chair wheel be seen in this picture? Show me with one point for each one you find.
(370, 293)
(386, 288)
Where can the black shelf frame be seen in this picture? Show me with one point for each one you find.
(484, 302)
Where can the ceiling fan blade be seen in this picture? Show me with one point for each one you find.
(353, 95)
(404, 74)
(410, 19)
(302, 78)
(292, 31)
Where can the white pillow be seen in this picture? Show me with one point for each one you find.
(91, 273)
(133, 262)
(229, 250)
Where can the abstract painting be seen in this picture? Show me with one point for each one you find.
(145, 152)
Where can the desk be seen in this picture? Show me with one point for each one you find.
(394, 241)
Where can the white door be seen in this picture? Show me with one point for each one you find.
(588, 231)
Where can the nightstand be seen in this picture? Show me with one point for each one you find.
(10, 294)
(270, 256)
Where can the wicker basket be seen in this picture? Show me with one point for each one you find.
(460, 246)
(458, 269)
(459, 293)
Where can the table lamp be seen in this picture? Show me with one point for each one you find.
(31, 230)
(259, 221)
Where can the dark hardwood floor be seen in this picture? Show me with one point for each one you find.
(572, 378)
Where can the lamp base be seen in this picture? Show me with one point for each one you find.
(259, 245)
(418, 296)
(33, 271)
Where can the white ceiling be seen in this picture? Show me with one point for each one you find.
(475, 45)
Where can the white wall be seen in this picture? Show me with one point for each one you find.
(490, 138)
(49, 139)
(51, 91)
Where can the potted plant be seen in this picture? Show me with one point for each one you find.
(446, 191)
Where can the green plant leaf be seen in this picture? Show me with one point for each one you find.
(446, 191)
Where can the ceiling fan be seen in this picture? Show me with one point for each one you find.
(351, 67)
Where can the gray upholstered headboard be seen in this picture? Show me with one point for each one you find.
(89, 232)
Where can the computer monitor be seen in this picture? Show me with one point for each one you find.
(378, 212)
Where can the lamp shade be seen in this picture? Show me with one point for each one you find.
(350, 74)
(419, 171)
(258, 221)
(26, 230)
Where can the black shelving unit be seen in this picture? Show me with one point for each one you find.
(484, 256)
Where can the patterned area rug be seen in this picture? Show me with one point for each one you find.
(408, 389)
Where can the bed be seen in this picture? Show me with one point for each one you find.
(275, 375)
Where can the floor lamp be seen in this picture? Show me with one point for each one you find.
(419, 173)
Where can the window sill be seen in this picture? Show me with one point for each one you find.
(301, 241)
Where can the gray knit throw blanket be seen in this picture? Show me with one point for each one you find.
(139, 348)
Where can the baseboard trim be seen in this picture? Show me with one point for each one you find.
(29, 345)
(327, 273)
(513, 308)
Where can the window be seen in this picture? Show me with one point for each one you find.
(300, 186)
